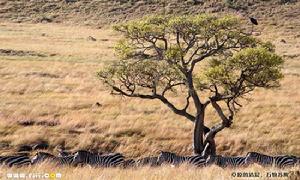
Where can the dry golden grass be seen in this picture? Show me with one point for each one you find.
(61, 89)
(162, 173)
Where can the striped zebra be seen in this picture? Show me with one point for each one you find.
(19, 161)
(44, 156)
(129, 163)
(277, 161)
(3, 159)
(24, 148)
(227, 161)
(148, 161)
(64, 154)
(95, 159)
(172, 158)
(197, 160)
(15, 160)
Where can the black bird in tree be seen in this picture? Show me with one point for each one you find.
(254, 22)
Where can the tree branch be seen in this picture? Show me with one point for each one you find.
(181, 112)
(163, 99)
(226, 122)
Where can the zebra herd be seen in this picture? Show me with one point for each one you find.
(97, 159)
(233, 162)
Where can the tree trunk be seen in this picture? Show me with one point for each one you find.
(199, 132)
(211, 147)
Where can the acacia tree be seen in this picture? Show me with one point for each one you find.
(205, 59)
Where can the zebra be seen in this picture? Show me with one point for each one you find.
(197, 160)
(64, 153)
(44, 156)
(24, 148)
(41, 146)
(15, 160)
(19, 161)
(172, 158)
(95, 159)
(277, 161)
(227, 161)
(148, 161)
(129, 163)
(4, 158)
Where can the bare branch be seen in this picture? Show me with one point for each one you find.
(163, 99)
(226, 122)
(181, 112)
(187, 102)
(169, 86)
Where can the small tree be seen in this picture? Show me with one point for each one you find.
(204, 59)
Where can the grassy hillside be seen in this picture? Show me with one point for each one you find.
(101, 12)
(49, 89)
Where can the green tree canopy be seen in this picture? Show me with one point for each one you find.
(190, 56)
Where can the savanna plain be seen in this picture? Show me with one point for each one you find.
(49, 92)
